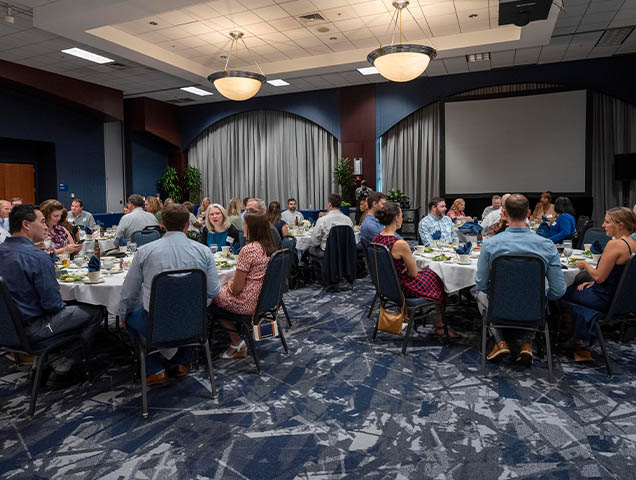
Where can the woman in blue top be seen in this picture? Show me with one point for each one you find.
(218, 230)
(565, 225)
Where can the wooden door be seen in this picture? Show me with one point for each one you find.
(17, 180)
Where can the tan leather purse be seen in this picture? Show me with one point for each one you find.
(388, 321)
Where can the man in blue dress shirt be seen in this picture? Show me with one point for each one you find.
(174, 251)
(370, 225)
(31, 280)
(517, 239)
(436, 221)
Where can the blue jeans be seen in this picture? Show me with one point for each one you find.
(137, 323)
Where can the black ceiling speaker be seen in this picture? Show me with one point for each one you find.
(522, 12)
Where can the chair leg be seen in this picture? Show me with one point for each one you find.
(85, 365)
(282, 304)
(253, 349)
(377, 322)
(144, 386)
(39, 366)
(601, 340)
(407, 334)
(484, 338)
(375, 297)
(282, 338)
(548, 352)
(208, 357)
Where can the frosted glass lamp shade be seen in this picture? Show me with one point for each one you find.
(236, 84)
(402, 62)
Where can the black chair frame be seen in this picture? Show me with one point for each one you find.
(145, 231)
(147, 346)
(541, 323)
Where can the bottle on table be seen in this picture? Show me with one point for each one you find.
(296, 221)
(97, 249)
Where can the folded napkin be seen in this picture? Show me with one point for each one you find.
(544, 230)
(437, 234)
(465, 250)
(94, 264)
(471, 228)
(454, 219)
(123, 242)
(597, 247)
(544, 219)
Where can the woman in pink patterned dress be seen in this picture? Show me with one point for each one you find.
(241, 293)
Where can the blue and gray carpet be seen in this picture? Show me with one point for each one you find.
(337, 406)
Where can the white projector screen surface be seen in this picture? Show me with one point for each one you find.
(517, 144)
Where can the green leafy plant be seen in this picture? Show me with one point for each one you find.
(343, 177)
(396, 195)
(169, 184)
(192, 183)
(345, 204)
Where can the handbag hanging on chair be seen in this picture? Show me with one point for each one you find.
(388, 321)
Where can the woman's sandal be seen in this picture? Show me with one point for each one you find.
(441, 334)
(238, 351)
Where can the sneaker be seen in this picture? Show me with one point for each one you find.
(499, 351)
(525, 355)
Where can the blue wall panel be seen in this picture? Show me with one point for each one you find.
(78, 139)
(148, 162)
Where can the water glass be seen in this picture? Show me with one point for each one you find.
(108, 265)
(132, 247)
(567, 251)
(214, 248)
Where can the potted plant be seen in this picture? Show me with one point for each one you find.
(169, 184)
(343, 177)
(192, 183)
(345, 207)
(396, 195)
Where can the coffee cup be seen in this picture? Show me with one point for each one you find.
(420, 249)
(93, 276)
(225, 250)
(587, 246)
(123, 248)
(464, 259)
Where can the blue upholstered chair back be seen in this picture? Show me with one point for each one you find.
(382, 270)
(177, 313)
(625, 298)
(274, 281)
(595, 233)
(11, 334)
(141, 238)
(289, 243)
(516, 291)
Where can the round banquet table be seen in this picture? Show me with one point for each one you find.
(456, 276)
(108, 293)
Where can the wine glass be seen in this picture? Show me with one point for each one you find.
(567, 251)
(132, 247)
(560, 248)
(108, 265)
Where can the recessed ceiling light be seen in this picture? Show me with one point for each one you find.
(197, 91)
(153, 23)
(277, 82)
(473, 15)
(333, 38)
(368, 71)
(323, 29)
(92, 57)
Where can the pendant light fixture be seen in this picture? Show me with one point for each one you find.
(401, 62)
(237, 84)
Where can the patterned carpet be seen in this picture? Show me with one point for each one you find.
(338, 406)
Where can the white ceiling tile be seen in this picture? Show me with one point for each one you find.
(374, 20)
(225, 7)
(345, 12)
(201, 11)
(442, 20)
(174, 33)
(470, 5)
(358, 34)
(299, 7)
(370, 42)
(604, 5)
(442, 8)
(285, 24)
(262, 28)
(197, 28)
(299, 33)
(175, 17)
(371, 7)
(348, 25)
(243, 19)
(270, 13)
(443, 30)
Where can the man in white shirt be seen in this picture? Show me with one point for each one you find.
(256, 206)
(496, 205)
(333, 218)
(136, 220)
(493, 217)
(291, 215)
(79, 217)
(5, 210)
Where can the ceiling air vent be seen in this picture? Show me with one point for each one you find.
(312, 18)
(614, 36)
(179, 101)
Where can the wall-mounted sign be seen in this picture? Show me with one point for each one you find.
(63, 187)
(357, 166)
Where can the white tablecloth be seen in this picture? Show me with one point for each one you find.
(456, 276)
(108, 293)
(105, 244)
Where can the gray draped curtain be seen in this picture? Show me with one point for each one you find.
(410, 156)
(266, 154)
(613, 132)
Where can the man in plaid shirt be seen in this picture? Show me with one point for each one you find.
(436, 221)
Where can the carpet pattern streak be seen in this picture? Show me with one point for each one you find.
(337, 406)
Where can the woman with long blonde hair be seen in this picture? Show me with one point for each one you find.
(234, 212)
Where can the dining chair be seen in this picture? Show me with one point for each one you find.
(289, 243)
(365, 248)
(340, 260)
(390, 294)
(177, 317)
(267, 306)
(142, 237)
(596, 233)
(14, 339)
(583, 223)
(516, 300)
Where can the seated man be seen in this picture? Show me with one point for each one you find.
(436, 221)
(291, 216)
(79, 217)
(323, 226)
(517, 239)
(174, 251)
(31, 280)
(5, 210)
(136, 220)
(256, 206)
(492, 219)
(370, 225)
(496, 205)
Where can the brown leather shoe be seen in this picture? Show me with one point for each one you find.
(158, 379)
(183, 370)
(21, 359)
(499, 351)
(525, 355)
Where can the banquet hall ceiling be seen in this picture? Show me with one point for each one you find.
(162, 45)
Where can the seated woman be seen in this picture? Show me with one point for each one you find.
(415, 284)
(544, 208)
(273, 215)
(363, 208)
(218, 230)
(620, 223)
(234, 212)
(456, 210)
(205, 203)
(240, 295)
(153, 205)
(61, 239)
(564, 227)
